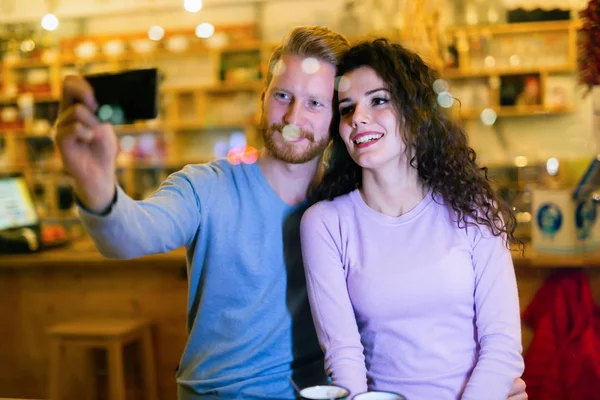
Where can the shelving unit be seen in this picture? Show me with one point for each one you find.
(203, 106)
(525, 68)
(217, 106)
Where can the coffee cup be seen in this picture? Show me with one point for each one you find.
(379, 395)
(324, 392)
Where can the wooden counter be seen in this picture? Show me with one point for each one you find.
(535, 260)
(46, 288)
(53, 286)
(82, 253)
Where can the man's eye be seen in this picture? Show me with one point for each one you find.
(282, 96)
(315, 103)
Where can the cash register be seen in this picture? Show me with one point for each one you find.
(19, 221)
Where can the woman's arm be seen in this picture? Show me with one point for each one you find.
(498, 319)
(328, 295)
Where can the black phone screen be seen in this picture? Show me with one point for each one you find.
(126, 97)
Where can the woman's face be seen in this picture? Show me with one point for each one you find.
(368, 123)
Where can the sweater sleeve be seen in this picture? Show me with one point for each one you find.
(166, 220)
(332, 310)
(497, 319)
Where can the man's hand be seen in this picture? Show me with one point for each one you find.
(88, 148)
(517, 392)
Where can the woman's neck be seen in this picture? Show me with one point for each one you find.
(392, 191)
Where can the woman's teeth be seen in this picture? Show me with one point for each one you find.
(367, 138)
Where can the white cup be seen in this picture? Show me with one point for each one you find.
(324, 392)
(379, 396)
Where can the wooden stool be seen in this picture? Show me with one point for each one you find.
(112, 335)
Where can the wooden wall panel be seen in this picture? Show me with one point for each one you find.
(34, 299)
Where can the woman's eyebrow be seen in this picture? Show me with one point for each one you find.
(367, 93)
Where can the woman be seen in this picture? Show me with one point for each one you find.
(407, 258)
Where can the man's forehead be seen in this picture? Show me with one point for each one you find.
(305, 74)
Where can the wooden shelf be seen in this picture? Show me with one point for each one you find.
(532, 259)
(225, 87)
(79, 255)
(30, 63)
(17, 146)
(521, 27)
(39, 98)
(514, 111)
(202, 126)
(137, 165)
(70, 59)
(130, 129)
(520, 111)
(138, 129)
(456, 73)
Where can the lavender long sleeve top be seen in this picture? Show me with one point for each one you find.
(412, 304)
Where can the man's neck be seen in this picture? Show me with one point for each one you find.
(289, 181)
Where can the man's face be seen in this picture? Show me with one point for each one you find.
(297, 109)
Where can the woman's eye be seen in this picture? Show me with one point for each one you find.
(282, 96)
(346, 110)
(379, 101)
(315, 103)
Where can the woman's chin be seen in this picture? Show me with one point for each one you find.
(367, 161)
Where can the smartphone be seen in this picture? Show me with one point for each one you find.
(126, 97)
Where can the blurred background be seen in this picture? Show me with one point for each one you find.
(510, 74)
(520, 75)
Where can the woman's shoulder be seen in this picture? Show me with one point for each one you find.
(328, 210)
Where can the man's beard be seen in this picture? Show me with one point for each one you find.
(286, 151)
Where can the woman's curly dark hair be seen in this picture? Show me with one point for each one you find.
(436, 146)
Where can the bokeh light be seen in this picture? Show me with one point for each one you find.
(234, 156)
(521, 161)
(221, 148)
(250, 155)
(291, 132)
(343, 84)
(440, 86)
(310, 65)
(237, 139)
(205, 30)
(49, 22)
(105, 112)
(490, 62)
(489, 116)
(192, 6)
(27, 46)
(156, 33)
(278, 68)
(552, 166)
(127, 143)
(246, 155)
(445, 99)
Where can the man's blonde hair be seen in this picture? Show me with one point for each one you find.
(310, 41)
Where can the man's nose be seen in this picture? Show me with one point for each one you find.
(294, 114)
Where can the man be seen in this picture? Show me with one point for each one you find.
(249, 323)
